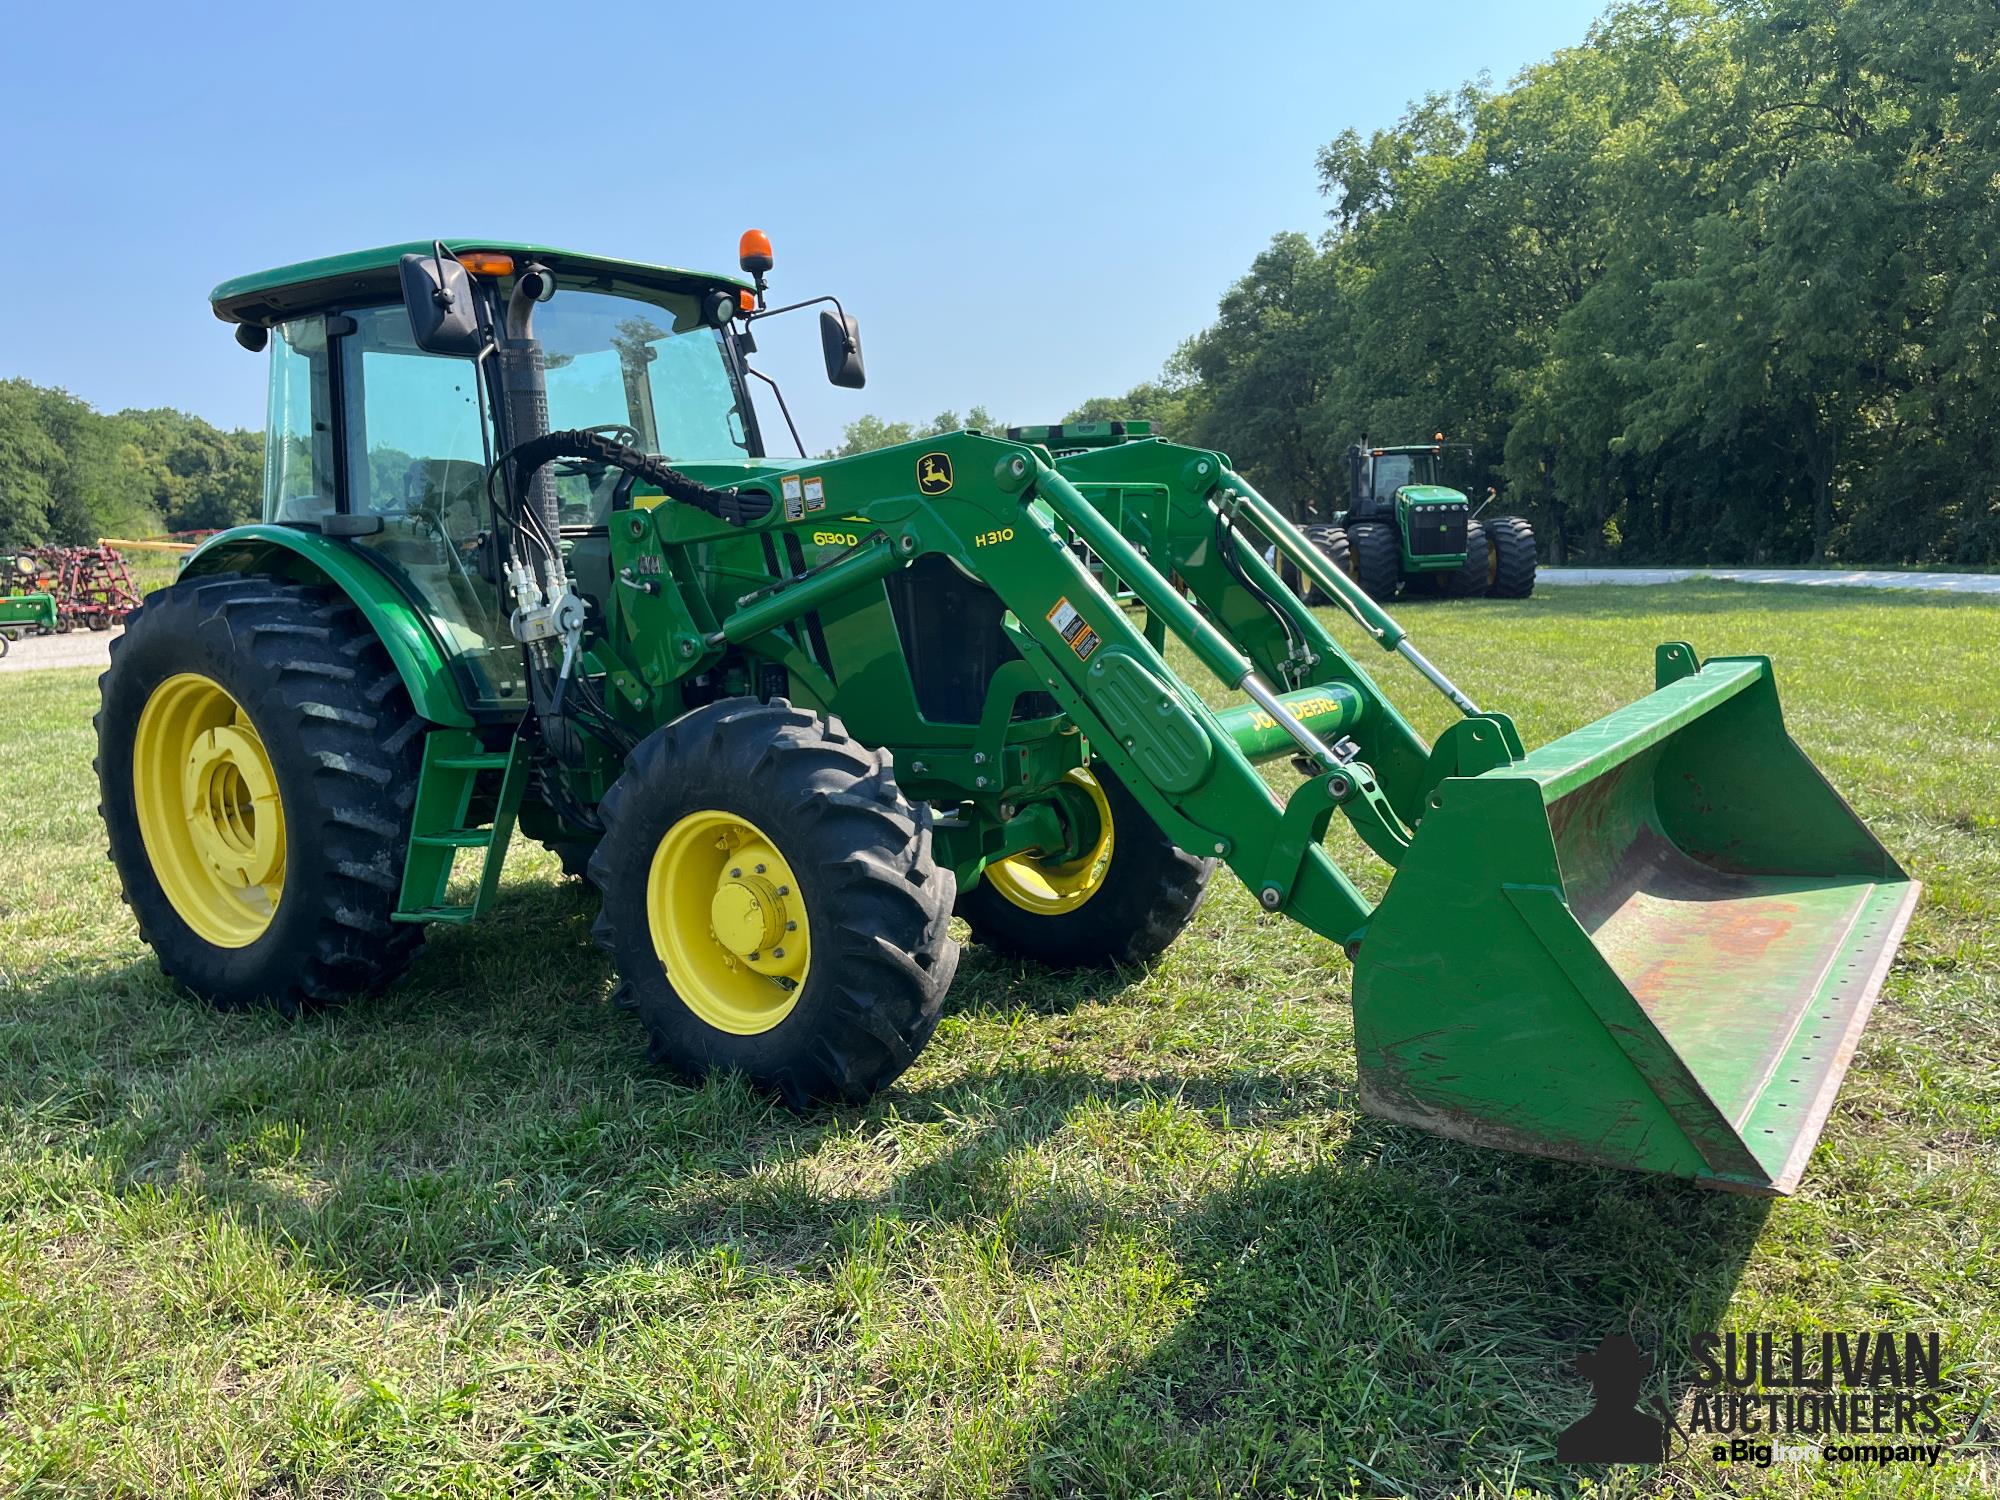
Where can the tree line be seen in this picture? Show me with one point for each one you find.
(71, 474)
(869, 432)
(1719, 284)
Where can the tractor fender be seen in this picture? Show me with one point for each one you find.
(306, 556)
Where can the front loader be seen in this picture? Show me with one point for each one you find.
(526, 564)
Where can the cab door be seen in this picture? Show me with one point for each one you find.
(415, 455)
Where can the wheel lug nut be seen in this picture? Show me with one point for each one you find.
(755, 956)
(760, 869)
(736, 874)
(784, 890)
(777, 953)
(791, 927)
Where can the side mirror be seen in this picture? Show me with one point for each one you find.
(443, 308)
(840, 340)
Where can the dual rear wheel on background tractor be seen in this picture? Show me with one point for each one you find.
(1499, 561)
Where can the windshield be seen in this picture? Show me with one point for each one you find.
(644, 361)
(1392, 472)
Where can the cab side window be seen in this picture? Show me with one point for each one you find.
(298, 457)
(415, 436)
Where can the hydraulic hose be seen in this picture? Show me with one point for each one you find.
(737, 507)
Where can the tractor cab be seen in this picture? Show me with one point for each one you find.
(387, 444)
(1384, 471)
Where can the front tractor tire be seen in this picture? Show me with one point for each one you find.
(772, 904)
(257, 759)
(1376, 558)
(1121, 900)
(1471, 578)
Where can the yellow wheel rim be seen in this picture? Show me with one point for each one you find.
(728, 922)
(209, 812)
(1046, 889)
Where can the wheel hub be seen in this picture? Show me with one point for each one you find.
(746, 915)
(224, 785)
(1048, 886)
(728, 921)
(206, 799)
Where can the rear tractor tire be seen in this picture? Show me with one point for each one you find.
(257, 760)
(1332, 542)
(1512, 568)
(772, 904)
(1293, 579)
(574, 855)
(1377, 558)
(1121, 901)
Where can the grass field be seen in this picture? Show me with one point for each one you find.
(1112, 1235)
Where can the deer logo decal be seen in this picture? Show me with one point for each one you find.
(934, 473)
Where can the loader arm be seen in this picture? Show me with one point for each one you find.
(1650, 944)
(1193, 515)
(1007, 520)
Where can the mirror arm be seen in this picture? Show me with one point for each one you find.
(772, 312)
(798, 441)
(439, 295)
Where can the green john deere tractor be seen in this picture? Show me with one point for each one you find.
(22, 613)
(526, 565)
(1402, 529)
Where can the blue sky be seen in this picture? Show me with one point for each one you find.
(1024, 206)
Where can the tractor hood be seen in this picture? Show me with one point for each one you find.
(1430, 494)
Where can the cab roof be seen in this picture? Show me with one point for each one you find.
(268, 297)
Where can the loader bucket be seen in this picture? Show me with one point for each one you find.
(1650, 944)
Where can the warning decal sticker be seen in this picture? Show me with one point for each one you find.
(1072, 627)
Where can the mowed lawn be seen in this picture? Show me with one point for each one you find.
(1112, 1235)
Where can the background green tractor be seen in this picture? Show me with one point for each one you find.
(21, 614)
(1403, 528)
(526, 563)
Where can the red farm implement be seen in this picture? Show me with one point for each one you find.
(90, 585)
